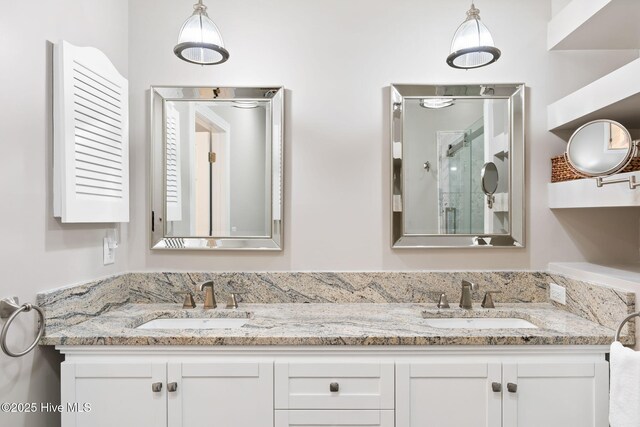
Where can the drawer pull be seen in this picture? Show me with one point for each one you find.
(172, 387)
(512, 388)
(334, 387)
(156, 387)
(496, 387)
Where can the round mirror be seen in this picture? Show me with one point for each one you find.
(489, 176)
(599, 148)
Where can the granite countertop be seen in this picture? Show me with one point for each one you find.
(333, 324)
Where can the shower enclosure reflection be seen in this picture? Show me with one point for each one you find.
(443, 138)
(455, 139)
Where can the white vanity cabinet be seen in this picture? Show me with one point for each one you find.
(117, 394)
(348, 418)
(565, 394)
(510, 394)
(337, 386)
(448, 394)
(226, 394)
(334, 392)
(169, 393)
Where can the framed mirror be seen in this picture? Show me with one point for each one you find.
(600, 148)
(217, 168)
(458, 165)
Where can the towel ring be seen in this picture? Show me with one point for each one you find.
(10, 309)
(624, 321)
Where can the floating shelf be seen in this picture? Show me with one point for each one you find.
(595, 24)
(623, 276)
(615, 96)
(583, 193)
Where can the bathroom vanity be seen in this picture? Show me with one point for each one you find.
(283, 365)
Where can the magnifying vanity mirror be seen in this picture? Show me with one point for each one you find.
(601, 148)
(216, 165)
(489, 182)
(472, 139)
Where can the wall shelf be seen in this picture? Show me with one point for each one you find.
(615, 96)
(583, 193)
(595, 24)
(621, 276)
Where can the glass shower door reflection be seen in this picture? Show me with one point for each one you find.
(460, 159)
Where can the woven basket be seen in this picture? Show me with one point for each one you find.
(561, 170)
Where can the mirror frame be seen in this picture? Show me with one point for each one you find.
(515, 94)
(159, 95)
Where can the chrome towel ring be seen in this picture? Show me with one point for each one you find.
(9, 309)
(624, 321)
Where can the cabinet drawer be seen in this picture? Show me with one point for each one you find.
(354, 385)
(334, 418)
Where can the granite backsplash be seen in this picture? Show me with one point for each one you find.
(71, 305)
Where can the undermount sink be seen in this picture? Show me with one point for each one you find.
(480, 323)
(194, 323)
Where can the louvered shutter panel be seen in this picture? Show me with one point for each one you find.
(91, 137)
(173, 184)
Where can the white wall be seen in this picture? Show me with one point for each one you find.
(337, 58)
(38, 252)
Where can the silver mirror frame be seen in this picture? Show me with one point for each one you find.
(515, 94)
(630, 154)
(159, 95)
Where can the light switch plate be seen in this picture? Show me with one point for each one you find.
(558, 293)
(109, 252)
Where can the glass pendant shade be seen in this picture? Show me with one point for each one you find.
(472, 45)
(199, 41)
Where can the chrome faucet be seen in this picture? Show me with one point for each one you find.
(209, 296)
(465, 298)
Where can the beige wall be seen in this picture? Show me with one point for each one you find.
(37, 251)
(336, 58)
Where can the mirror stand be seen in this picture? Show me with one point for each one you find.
(631, 180)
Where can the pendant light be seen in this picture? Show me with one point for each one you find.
(472, 45)
(436, 103)
(199, 41)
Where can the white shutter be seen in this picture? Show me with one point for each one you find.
(174, 191)
(91, 137)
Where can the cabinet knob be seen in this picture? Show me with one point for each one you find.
(156, 387)
(172, 387)
(333, 387)
(512, 388)
(496, 387)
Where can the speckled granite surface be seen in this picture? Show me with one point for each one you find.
(74, 304)
(334, 324)
(79, 312)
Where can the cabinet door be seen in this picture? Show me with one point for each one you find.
(448, 395)
(233, 394)
(118, 394)
(556, 394)
(321, 418)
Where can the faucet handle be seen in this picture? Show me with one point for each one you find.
(188, 300)
(487, 301)
(443, 302)
(233, 300)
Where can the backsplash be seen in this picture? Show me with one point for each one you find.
(368, 287)
(72, 305)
